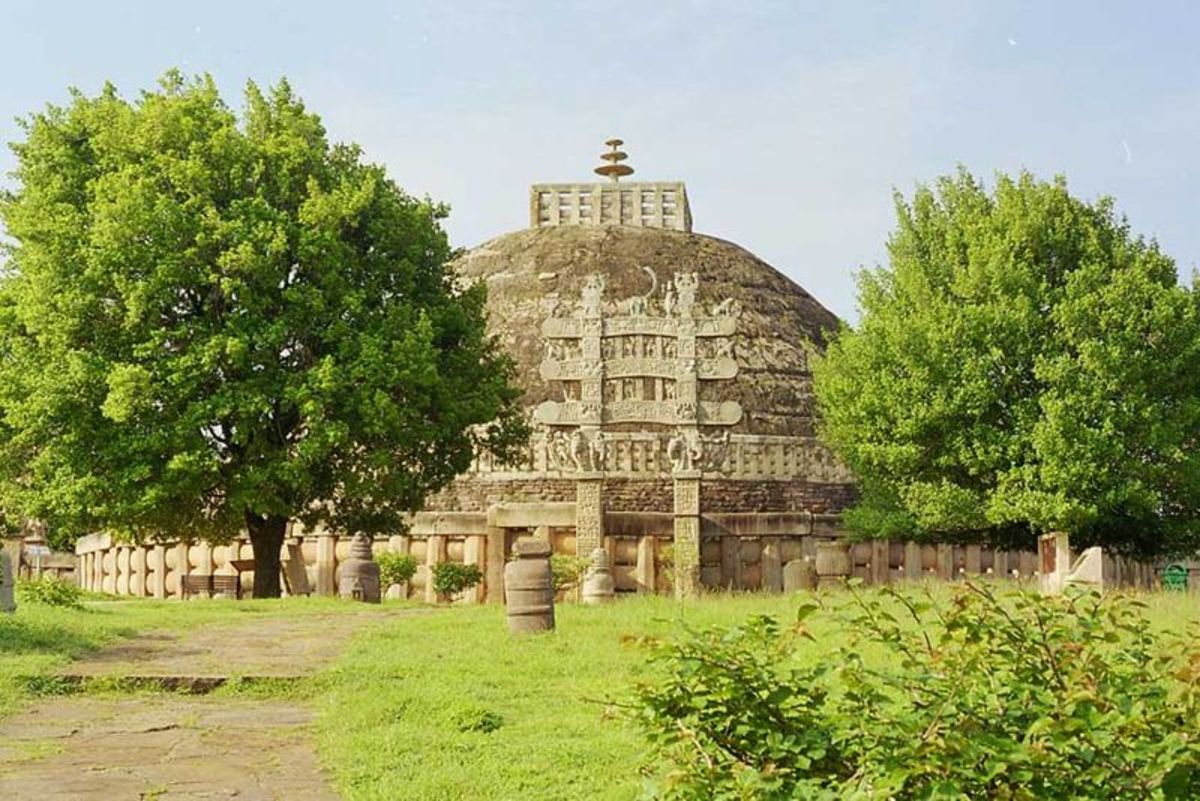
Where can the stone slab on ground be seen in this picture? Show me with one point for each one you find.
(162, 747)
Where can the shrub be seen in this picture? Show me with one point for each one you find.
(51, 591)
(396, 568)
(451, 578)
(567, 571)
(1005, 697)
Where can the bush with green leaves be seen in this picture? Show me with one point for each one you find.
(567, 571)
(396, 568)
(999, 696)
(50, 591)
(451, 578)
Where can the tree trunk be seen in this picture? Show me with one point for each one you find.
(266, 537)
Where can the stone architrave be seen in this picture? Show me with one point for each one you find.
(589, 514)
(687, 534)
(7, 601)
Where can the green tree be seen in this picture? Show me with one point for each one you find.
(212, 323)
(1024, 364)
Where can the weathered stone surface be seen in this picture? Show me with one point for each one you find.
(832, 564)
(529, 588)
(7, 582)
(799, 574)
(360, 573)
(93, 749)
(598, 581)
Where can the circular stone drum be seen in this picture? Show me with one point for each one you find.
(529, 589)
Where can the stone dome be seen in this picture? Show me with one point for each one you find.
(538, 274)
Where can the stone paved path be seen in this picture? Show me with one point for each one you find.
(169, 746)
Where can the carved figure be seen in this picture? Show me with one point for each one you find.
(557, 450)
(592, 295)
(685, 450)
(668, 299)
(716, 447)
(685, 285)
(579, 450)
(727, 308)
(639, 305)
(724, 348)
(597, 451)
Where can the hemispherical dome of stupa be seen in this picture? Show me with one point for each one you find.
(649, 356)
(538, 274)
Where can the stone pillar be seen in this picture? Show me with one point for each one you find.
(912, 561)
(160, 567)
(326, 563)
(435, 553)
(645, 572)
(494, 559)
(945, 561)
(1054, 555)
(974, 560)
(7, 582)
(881, 561)
(687, 533)
(772, 565)
(1000, 563)
(589, 513)
(475, 553)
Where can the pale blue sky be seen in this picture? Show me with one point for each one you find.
(790, 122)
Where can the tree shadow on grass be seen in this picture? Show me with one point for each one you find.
(23, 637)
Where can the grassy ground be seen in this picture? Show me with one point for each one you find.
(446, 705)
(36, 639)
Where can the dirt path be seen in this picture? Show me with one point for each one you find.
(172, 746)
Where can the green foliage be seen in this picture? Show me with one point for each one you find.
(209, 320)
(1023, 364)
(1009, 697)
(51, 591)
(567, 571)
(451, 578)
(396, 568)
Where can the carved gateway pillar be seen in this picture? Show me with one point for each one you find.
(589, 513)
(687, 533)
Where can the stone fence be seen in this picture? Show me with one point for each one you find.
(737, 552)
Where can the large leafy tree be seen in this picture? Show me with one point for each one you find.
(1023, 364)
(212, 322)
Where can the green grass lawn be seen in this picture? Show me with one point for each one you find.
(447, 705)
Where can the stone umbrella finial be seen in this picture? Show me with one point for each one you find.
(614, 170)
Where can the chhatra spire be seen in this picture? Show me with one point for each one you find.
(614, 169)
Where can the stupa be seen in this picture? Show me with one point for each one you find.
(666, 375)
